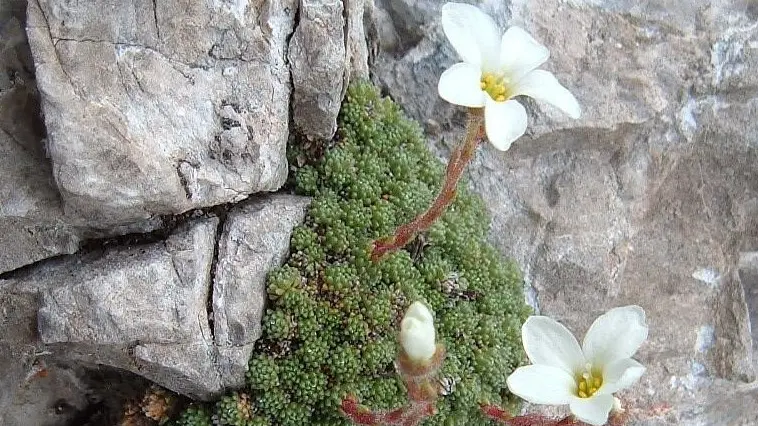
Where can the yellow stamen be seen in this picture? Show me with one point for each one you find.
(496, 86)
(589, 382)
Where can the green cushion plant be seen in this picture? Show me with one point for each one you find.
(331, 326)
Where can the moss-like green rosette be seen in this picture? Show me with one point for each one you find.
(333, 315)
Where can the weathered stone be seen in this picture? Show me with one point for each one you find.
(734, 407)
(361, 37)
(18, 342)
(53, 398)
(157, 108)
(255, 239)
(144, 308)
(141, 309)
(648, 199)
(151, 295)
(318, 64)
(188, 368)
(748, 273)
(31, 217)
(328, 48)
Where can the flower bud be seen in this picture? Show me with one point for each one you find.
(417, 335)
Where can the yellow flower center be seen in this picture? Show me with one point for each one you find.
(495, 85)
(589, 383)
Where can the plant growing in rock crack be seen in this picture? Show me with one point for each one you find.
(493, 71)
(331, 325)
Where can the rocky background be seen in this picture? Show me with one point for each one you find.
(139, 139)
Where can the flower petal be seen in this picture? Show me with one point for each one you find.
(473, 34)
(460, 85)
(615, 335)
(542, 384)
(547, 342)
(593, 410)
(620, 375)
(520, 53)
(504, 122)
(543, 86)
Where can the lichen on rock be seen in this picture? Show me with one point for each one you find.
(332, 322)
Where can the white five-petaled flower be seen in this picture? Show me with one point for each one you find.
(494, 70)
(584, 377)
(417, 335)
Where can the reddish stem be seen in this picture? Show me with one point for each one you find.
(460, 158)
(421, 385)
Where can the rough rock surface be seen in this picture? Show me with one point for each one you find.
(328, 49)
(748, 272)
(255, 239)
(31, 216)
(318, 74)
(141, 309)
(145, 308)
(158, 108)
(649, 198)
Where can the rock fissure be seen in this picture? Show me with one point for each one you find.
(288, 64)
(155, 21)
(212, 276)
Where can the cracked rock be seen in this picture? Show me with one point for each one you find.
(328, 48)
(145, 308)
(317, 56)
(136, 103)
(142, 309)
(255, 239)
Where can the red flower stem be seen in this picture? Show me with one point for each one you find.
(460, 158)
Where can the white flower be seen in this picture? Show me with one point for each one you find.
(586, 377)
(495, 70)
(417, 335)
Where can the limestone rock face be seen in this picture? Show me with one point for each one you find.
(255, 239)
(158, 108)
(328, 49)
(650, 198)
(147, 308)
(31, 215)
(151, 109)
(141, 309)
(317, 52)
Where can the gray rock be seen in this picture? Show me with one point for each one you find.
(142, 309)
(748, 274)
(255, 239)
(328, 49)
(52, 398)
(318, 64)
(362, 37)
(18, 343)
(158, 108)
(31, 217)
(648, 199)
(145, 308)
(737, 407)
